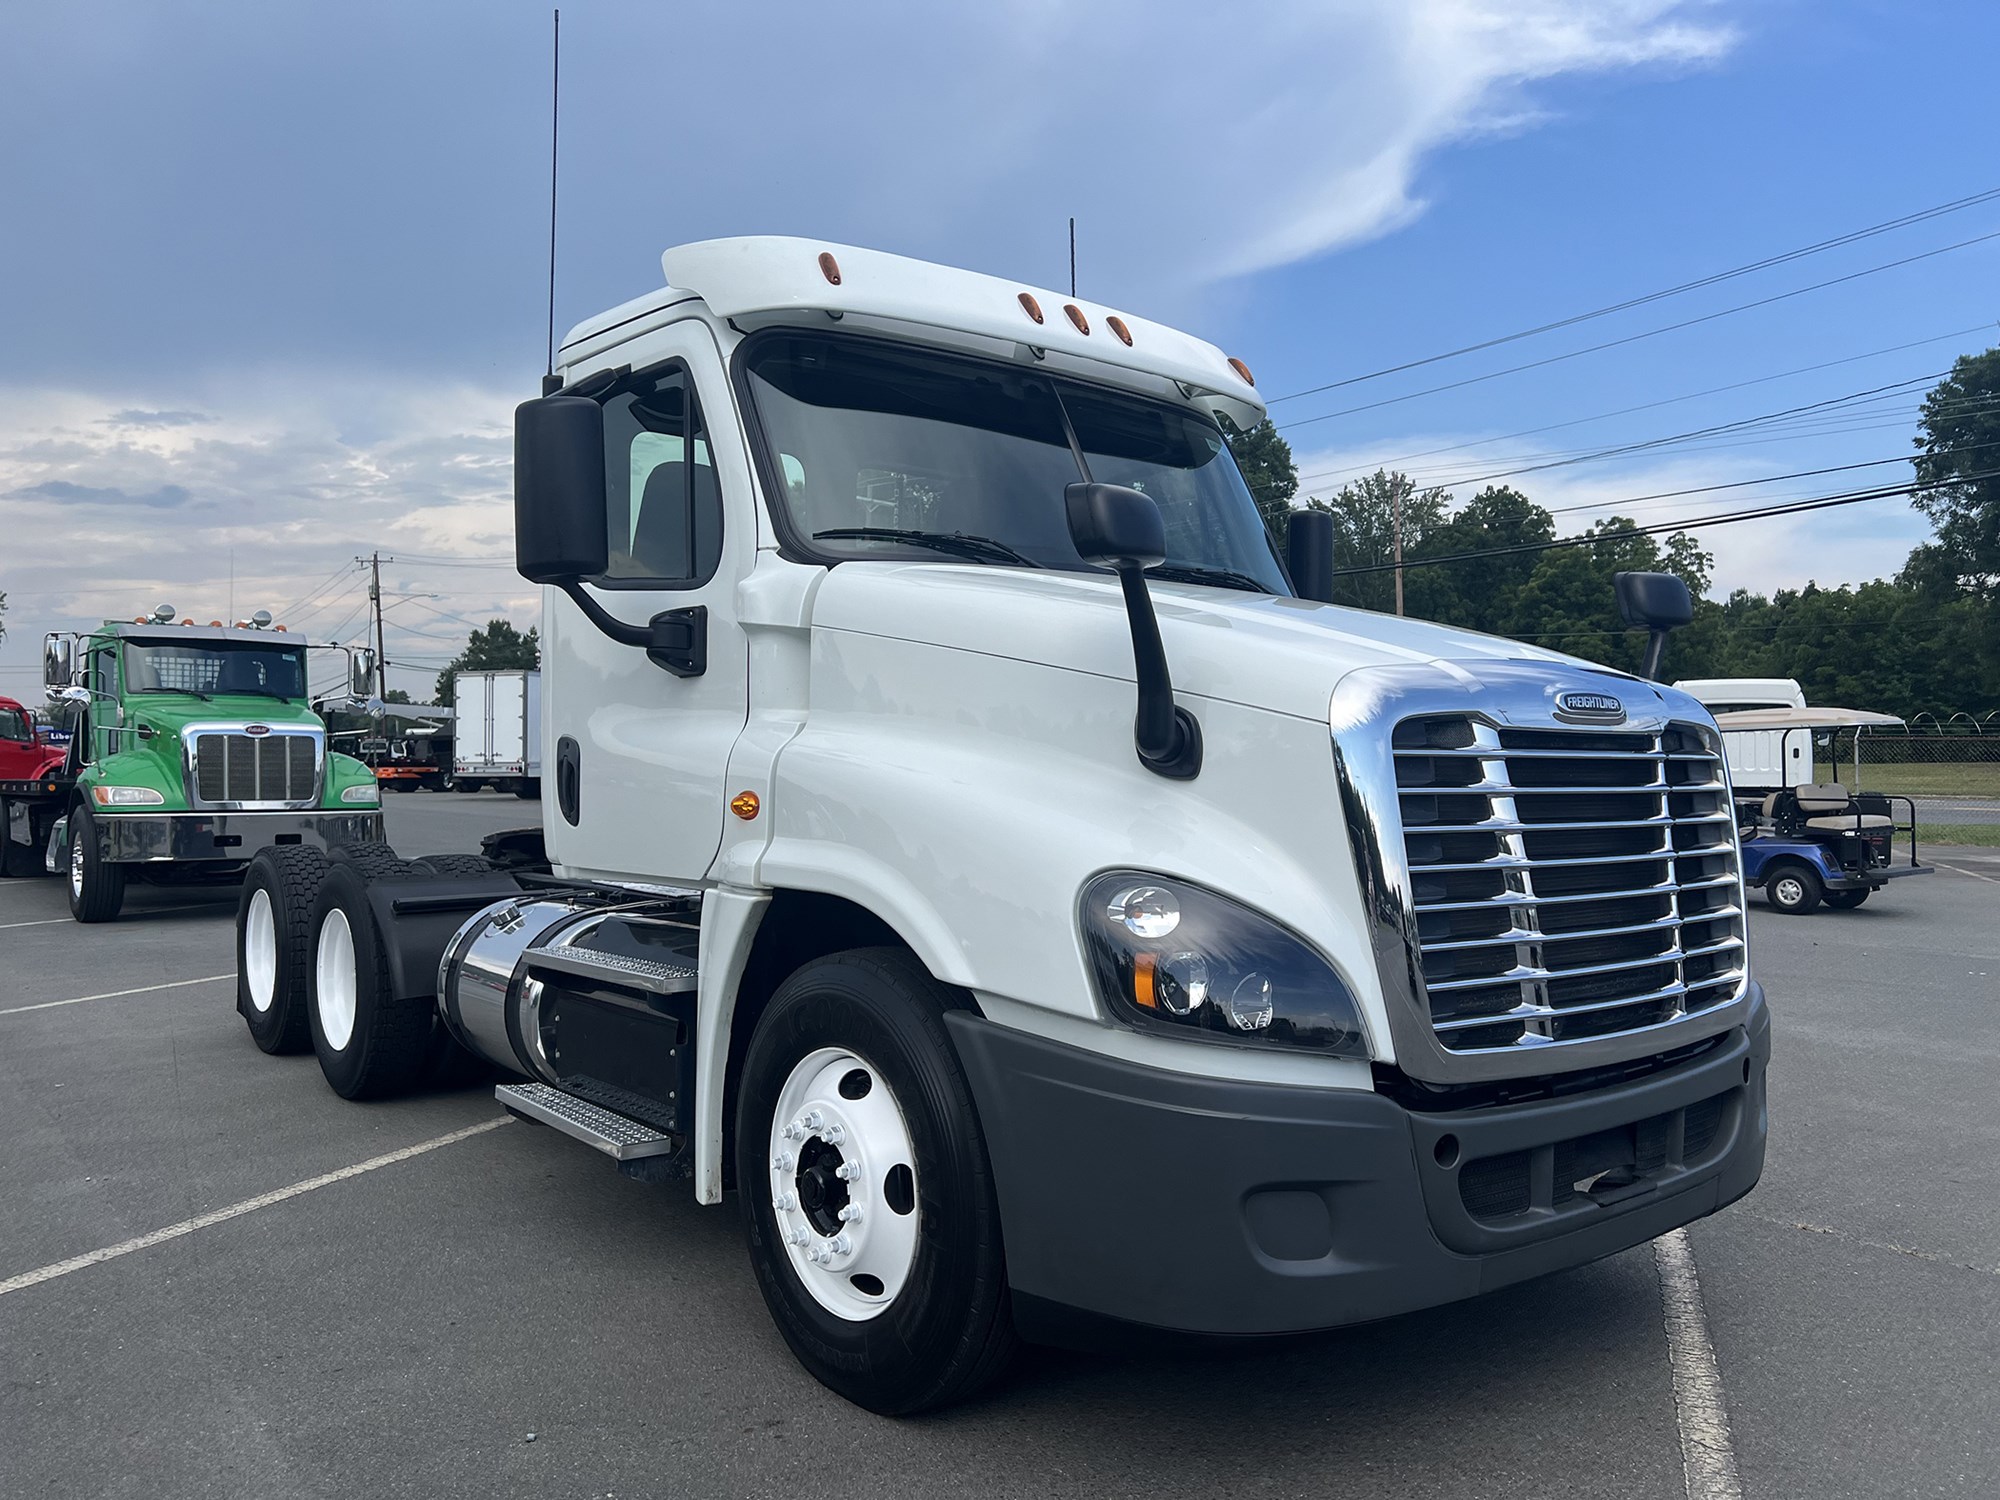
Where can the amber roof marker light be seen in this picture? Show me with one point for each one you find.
(1117, 325)
(1031, 307)
(1244, 370)
(1076, 316)
(829, 268)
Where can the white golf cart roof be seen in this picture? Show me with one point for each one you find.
(1804, 718)
(762, 279)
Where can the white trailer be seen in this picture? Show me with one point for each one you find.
(497, 736)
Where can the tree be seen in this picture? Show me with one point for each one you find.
(1958, 451)
(496, 647)
(1269, 470)
(3, 617)
(1364, 535)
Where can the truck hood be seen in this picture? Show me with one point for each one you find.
(170, 713)
(1283, 655)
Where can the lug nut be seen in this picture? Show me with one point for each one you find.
(794, 1131)
(787, 1203)
(813, 1119)
(800, 1237)
(835, 1134)
(841, 1245)
(850, 1215)
(782, 1162)
(847, 1171)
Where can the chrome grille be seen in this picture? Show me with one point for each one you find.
(1568, 884)
(256, 768)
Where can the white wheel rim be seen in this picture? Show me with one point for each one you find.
(260, 951)
(76, 865)
(849, 1245)
(333, 973)
(1790, 890)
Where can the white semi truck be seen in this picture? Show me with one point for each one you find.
(969, 848)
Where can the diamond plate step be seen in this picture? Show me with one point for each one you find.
(617, 1137)
(655, 976)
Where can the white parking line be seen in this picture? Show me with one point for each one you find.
(1708, 1457)
(1961, 870)
(144, 989)
(51, 921)
(237, 1210)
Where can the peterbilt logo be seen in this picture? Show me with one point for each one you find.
(1600, 708)
(257, 729)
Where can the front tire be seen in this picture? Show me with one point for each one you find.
(370, 1043)
(96, 885)
(868, 1199)
(1794, 888)
(274, 945)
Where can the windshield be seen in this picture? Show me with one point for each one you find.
(209, 669)
(972, 456)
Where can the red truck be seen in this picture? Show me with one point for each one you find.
(33, 789)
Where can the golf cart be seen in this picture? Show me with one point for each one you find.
(1807, 841)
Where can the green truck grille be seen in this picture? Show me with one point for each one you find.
(256, 768)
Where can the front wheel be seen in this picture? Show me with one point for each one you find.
(1846, 900)
(868, 1199)
(1794, 889)
(96, 885)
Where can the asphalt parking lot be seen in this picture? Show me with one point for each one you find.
(405, 1330)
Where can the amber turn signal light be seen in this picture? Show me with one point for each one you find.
(745, 805)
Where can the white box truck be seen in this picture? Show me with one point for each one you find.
(497, 732)
(972, 846)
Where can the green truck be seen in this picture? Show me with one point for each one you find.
(193, 747)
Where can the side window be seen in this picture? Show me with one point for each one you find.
(13, 724)
(664, 507)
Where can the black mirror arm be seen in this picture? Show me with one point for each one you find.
(1656, 650)
(1167, 736)
(675, 639)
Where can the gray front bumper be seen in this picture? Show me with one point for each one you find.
(148, 838)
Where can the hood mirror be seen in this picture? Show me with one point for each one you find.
(1121, 529)
(1656, 602)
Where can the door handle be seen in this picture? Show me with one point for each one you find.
(678, 640)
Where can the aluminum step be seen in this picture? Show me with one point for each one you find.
(652, 975)
(602, 1129)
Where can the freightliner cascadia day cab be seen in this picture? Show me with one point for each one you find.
(193, 746)
(965, 845)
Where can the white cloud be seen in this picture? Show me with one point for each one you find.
(285, 483)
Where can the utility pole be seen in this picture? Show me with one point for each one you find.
(1399, 549)
(381, 656)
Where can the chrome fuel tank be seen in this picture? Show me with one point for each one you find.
(489, 1002)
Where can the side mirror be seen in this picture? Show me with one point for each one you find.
(1309, 554)
(1657, 602)
(361, 671)
(560, 534)
(1115, 526)
(58, 662)
(1122, 529)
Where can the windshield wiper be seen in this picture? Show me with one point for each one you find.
(259, 692)
(191, 692)
(1222, 578)
(979, 548)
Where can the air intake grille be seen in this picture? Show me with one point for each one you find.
(255, 768)
(1569, 884)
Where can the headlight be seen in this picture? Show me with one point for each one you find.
(126, 796)
(1169, 955)
(368, 794)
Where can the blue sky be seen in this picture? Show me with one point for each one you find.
(271, 274)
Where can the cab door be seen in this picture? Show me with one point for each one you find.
(635, 752)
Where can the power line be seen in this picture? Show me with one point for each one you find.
(1673, 291)
(1633, 338)
(1626, 411)
(1791, 507)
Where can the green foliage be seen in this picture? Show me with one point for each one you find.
(495, 647)
(3, 616)
(1958, 450)
(1268, 468)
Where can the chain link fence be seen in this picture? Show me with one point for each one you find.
(1950, 767)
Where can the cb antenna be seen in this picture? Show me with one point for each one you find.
(1072, 255)
(549, 382)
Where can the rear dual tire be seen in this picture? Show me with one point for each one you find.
(370, 1042)
(274, 936)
